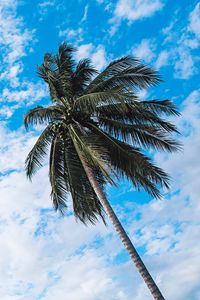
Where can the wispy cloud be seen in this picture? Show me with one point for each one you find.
(145, 50)
(84, 18)
(44, 7)
(96, 54)
(132, 11)
(16, 42)
(182, 58)
(194, 24)
(162, 59)
(135, 10)
(72, 35)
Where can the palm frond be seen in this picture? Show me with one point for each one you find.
(91, 102)
(65, 63)
(94, 154)
(159, 107)
(130, 163)
(82, 76)
(134, 113)
(64, 59)
(47, 70)
(115, 67)
(86, 205)
(126, 72)
(42, 115)
(139, 135)
(59, 185)
(36, 156)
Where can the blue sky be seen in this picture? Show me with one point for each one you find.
(44, 256)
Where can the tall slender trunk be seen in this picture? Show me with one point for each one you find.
(123, 235)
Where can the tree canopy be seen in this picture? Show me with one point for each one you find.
(99, 118)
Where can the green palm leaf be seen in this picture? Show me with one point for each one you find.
(82, 76)
(86, 205)
(57, 175)
(125, 72)
(94, 154)
(91, 102)
(42, 115)
(134, 113)
(161, 107)
(139, 135)
(130, 163)
(36, 156)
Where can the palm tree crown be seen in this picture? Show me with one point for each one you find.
(97, 118)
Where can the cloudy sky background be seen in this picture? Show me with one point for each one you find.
(44, 256)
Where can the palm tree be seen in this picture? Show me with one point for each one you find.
(95, 129)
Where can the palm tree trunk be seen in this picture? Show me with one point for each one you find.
(123, 235)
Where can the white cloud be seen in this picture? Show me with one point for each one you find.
(184, 65)
(84, 18)
(89, 280)
(162, 60)
(135, 10)
(145, 50)
(181, 57)
(131, 11)
(183, 165)
(96, 54)
(15, 42)
(76, 35)
(27, 94)
(6, 111)
(45, 5)
(14, 39)
(194, 19)
(99, 57)
(12, 144)
(142, 94)
(84, 51)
